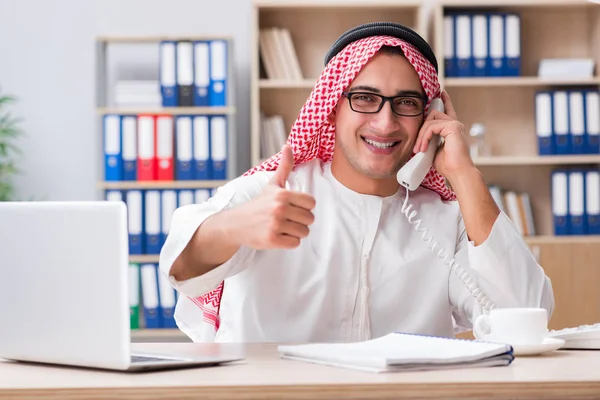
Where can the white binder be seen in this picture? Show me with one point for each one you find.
(168, 207)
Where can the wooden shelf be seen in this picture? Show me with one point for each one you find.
(123, 185)
(156, 39)
(581, 239)
(537, 160)
(336, 3)
(156, 333)
(518, 82)
(279, 84)
(144, 259)
(514, 3)
(169, 110)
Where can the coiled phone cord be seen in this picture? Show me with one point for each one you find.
(451, 262)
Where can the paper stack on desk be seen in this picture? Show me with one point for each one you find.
(403, 352)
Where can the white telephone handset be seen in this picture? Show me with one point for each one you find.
(410, 176)
(414, 171)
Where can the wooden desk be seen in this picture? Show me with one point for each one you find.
(562, 374)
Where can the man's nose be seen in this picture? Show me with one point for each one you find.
(385, 121)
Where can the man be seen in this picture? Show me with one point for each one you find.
(317, 243)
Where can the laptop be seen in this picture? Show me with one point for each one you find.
(64, 289)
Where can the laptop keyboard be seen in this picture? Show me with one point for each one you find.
(135, 359)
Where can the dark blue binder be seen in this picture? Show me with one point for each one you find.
(112, 140)
(201, 73)
(560, 201)
(168, 73)
(544, 122)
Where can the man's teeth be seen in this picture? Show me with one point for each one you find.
(380, 145)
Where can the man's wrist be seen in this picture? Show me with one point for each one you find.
(229, 226)
(466, 179)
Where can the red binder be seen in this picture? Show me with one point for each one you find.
(164, 147)
(147, 165)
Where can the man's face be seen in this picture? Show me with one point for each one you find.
(377, 145)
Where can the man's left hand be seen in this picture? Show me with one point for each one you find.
(453, 157)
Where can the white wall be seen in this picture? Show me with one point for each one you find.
(47, 52)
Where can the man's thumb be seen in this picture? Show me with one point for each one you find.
(286, 165)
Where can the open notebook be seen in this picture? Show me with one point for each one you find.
(403, 352)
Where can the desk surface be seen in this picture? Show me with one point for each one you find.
(561, 374)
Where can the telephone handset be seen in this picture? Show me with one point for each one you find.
(414, 171)
(410, 176)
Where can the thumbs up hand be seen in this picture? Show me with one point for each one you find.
(286, 165)
(277, 218)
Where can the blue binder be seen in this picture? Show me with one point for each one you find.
(152, 224)
(480, 44)
(512, 44)
(184, 169)
(135, 220)
(113, 158)
(218, 146)
(577, 121)
(560, 201)
(168, 205)
(496, 49)
(577, 217)
(592, 121)
(201, 73)
(168, 73)
(151, 296)
(560, 111)
(129, 139)
(168, 299)
(544, 122)
(592, 203)
(464, 45)
(449, 46)
(202, 143)
(218, 73)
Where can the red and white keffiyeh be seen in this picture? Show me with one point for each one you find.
(313, 136)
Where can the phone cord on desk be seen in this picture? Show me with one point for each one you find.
(462, 274)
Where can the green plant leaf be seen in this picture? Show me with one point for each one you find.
(5, 191)
(6, 99)
(10, 131)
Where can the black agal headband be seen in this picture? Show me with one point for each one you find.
(382, 29)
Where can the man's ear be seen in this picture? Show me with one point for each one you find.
(331, 117)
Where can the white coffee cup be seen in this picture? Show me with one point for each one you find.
(519, 326)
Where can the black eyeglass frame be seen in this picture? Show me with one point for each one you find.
(385, 99)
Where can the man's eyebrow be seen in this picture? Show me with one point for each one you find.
(367, 88)
(375, 90)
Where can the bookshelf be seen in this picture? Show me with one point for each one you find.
(506, 106)
(549, 29)
(108, 49)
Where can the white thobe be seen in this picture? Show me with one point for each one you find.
(362, 272)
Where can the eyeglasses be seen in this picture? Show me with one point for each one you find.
(371, 103)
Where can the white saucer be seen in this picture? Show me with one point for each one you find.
(549, 344)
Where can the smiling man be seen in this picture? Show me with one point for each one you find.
(313, 244)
